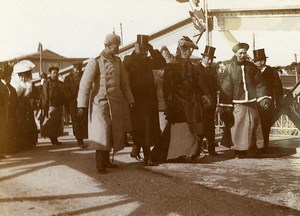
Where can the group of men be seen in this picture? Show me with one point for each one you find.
(100, 99)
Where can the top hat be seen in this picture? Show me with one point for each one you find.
(240, 46)
(259, 54)
(53, 68)
(187, 42)
(209, 51)
(23, 66)
(142, 40)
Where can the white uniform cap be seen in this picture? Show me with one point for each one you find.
(23, 66)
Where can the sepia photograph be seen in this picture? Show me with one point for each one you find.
(152, 108)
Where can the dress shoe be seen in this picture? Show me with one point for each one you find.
(137, 157)
(54, 141)
(213, 153)
(151, 163)
(111, 165)
(82, 144)
(102, 169)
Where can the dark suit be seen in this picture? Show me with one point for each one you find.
(209, 76)
(80, 124)
(273, 86)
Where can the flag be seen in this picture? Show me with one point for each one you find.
(198, 19)
(40, 47)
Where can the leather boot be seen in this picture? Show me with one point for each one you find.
(135, 153)
(100, 161)
(107, 161)
(147, 156)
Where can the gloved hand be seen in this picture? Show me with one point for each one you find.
(131, 106)
(226, 115)
(265, 103)
(206, 101)
(80, 111)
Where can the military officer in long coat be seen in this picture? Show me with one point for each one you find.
(79, 123)
(103, 88)
(272, 82)
(145, 119)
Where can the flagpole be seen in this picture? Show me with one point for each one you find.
(40, 51)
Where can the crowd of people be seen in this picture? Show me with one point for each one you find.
(168, 103)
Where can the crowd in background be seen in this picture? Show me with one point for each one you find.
(167, 103)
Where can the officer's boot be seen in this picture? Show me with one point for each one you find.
(101, 161)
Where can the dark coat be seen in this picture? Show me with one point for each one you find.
(145, 120)
(272, 82)
(8, 127)
(233, 89)
(183, 88)
(71, 87)
(51, 102)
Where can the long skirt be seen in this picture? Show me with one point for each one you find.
(183, 141)
(246, 130)
(53, 124)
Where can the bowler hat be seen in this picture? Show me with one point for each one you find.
(259, 54)
(53, 68)
(240, 46)
(142, 40)
(209, 51)
(23, 66)
(187, 42)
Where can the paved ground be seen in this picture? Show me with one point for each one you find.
(52, 180)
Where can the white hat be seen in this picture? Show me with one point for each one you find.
(23, 66)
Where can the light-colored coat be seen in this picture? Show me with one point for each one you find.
(102, 88)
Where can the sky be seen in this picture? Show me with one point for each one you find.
(77, 28)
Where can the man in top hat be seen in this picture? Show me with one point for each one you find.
(240, 89)
(71, 87)
(209, 75)
(51, 104)
(274, 89)
(103, 89)
(8, 100)
(145, 120)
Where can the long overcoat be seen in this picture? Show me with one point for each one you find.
(145, 120)
(103, 88)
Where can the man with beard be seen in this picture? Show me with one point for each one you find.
(145, 120)
(26, 102)
(103, 88)
(51, 105)
(241, 88)
(71, 86)
(8, 98)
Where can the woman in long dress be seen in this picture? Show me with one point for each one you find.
(183, 90)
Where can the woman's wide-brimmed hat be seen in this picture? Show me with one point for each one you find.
(240, 46)
(23, 66)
